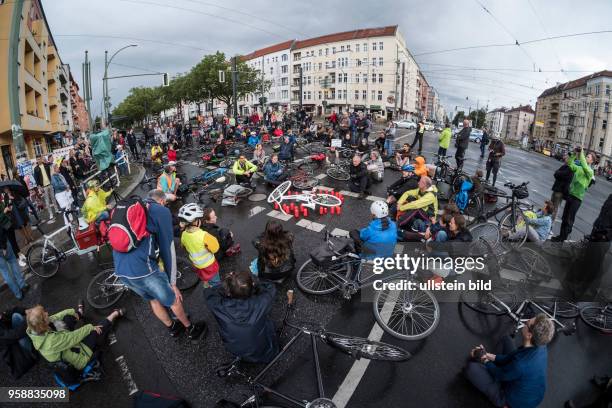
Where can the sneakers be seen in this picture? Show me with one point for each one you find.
(197, 330)
(176, 329)
(22, 261)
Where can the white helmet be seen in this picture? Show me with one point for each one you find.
(190, 212)
(379, 209)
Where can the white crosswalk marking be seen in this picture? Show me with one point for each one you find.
(279, 215)
(338, 232)
(310, 225)
(374, 198)
(127, 375)
(321, 176)
(349, 193)
(255, 210)
(321, 187)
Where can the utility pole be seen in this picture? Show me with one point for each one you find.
(301, 87)
(87, 87)
(396, 80)
(234, 86)
(263, 104)
(402, 91)
(104, 85)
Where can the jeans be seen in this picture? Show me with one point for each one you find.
(556, 198)
(18, 320)
(47, 193)
(460, 157)
(11, 273)
(441, 151)
(482, 149)
(154, 286)
(389, 146)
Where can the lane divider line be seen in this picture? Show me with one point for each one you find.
(127, 375)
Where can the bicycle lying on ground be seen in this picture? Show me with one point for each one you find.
(355, 347)
(308, 199)
(407, 314)
(339, 171)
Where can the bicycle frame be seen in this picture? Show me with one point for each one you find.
(48, 242)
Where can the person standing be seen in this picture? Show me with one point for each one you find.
(139, 270)
(390, 139)
(484, 141)
(444, 140)
(42, 176)
(497, 150)
(61, 189)
(132, 143)
(583, 175)
(10, 271)
(65, 171)
(462, 143)
(9, 222)
(418, 136)
(560, 188)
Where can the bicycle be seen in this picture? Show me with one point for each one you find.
(339, 171)
(355, 347)
(105, 289)
(308, 199)
(406, 314)
(301, 175)
(451, 177)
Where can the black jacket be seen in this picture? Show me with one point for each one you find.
(66, 173)
(602, 227)
(131, 139)
(402, 185)
(358, 172)
(563, 179)
(223, 237)
(18, 360)
(244, 324)
(271, 272)
(463, 138)
(38, 177)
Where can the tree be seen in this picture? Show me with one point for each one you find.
(458, 118)
(478, 118)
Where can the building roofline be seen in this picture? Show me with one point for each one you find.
(575, 83)
(385, 31)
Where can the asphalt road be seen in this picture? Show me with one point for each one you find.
(143, 357)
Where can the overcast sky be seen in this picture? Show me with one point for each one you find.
(173, 35)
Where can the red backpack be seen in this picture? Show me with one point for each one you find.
(128, 224)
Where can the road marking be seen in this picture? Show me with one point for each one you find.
(127, 375)
(321, 176)
(255, 210)
(399, 249)
(374, 198)
(322, 187)
(211, 167)
(310, 225)
(279, 215)
(349, 193)
(338, 232)
(112, 339)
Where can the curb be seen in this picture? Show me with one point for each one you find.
(28, 275)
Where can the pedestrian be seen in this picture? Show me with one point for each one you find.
(560, 188)
(11, 272)
(139, 269)
(275, 258)
(9, 222)
(132, 143)
(418, 136)
(65, 171)
(517, 376)
(359, 181)
(484, 141)
(19, 215)
(42, 176)
(497, 150)
(583, 176)
(444, 140)
(61, 189)
(462, 143)
(389, 139)
(121, 161)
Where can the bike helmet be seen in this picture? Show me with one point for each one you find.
(379, 209)
(93, 184)
(407, 167)
(190, 212)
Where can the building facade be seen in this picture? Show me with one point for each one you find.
(34, 85)
(495, 120)
(422, 95)
(80, 117)
(517, 124)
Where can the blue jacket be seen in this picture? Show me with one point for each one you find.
(253, 140)
(244, 324)
(59, 183)
(142, 261)
(286, 151)
(272, 170)
(542, 225)
(522, 374)
(376, 242)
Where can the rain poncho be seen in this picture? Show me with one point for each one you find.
(101, 148)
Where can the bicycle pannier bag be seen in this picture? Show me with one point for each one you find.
(87, 238)
(128, 225)
(322, 256)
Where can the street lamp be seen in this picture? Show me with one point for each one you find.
(107, 62)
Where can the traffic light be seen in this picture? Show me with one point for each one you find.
(166, 80)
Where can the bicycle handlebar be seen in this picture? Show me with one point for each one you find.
(513, 186)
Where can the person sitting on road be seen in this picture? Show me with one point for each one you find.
(420, 203)
(224, 236)
(168, 182)
(286, 150)
(379, 238)
(363, 147)
(15, 346)
(402, 157)
(243, 170)
(380, 141)
(274, 171)
(220, 149)
(420, 169)
(407, 181)
(537, 228)
(156, 153)
(95, 208)
(347, 142)
(275, 258)
(241, 306)
(375, 166)
(359, 181)
(171, 152)
(332, 156)
(253, 139)
(199, 244)
(56, 338)
(259, 155)
(517, 376)
(278, 132)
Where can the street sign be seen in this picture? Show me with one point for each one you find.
(221, 76)
(166, 80)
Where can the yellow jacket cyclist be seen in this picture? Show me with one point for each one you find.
(95, 207)
(243, 169)
(200, 245)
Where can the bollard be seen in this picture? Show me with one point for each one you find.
(338, 210)
(332, 210)
(275, 205)
(285, 208)
(296, 212)
(305, 211)
(320, 210)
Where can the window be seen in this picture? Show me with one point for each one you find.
(597, 89)
(380, 61)
(309, 95)
(373, 62)
(380, 78)
(348, 47)
(284, 69)
(284, 57)
(356, 47)
(342, 48)
(345, 78)
(48, 143)
(284, 81)
(364, 94)
(320, 95)
(271, 70)
(365, 61)
(320, 66)
(373, 78)
(356, 78)
(356, 95)
(365, 47)
(604, 124)
(357, 62)
(380, 93)
(285, 94)
(596, 106)
(38, 150)
(373, 46)
(365, 78)
(320, 52)
(607, 89)
(326, 52)
(333, 50)
(373, 95)
(380, 46)
(607, 107)
(333, 94)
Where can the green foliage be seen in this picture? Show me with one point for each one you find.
(459, 116)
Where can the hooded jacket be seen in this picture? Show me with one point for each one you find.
(244, 324)
(445, 137)
(426, 201)
(563, 179)
(378, 243)
(94, 204)
(419, 166)
(583, 174)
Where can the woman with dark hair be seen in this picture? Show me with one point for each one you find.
(224, 236)
(19, 214)
(241, 307)
(275, 260)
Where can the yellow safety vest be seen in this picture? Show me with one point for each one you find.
(199, 255)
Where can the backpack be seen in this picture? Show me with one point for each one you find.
(128, 224)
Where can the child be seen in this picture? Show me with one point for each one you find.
(171, 153)
(200, 245)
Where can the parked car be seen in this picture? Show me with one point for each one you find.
(476, 135)
(429, 126)
(405, 124)
(438, 128)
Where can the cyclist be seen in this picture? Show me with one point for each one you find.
(401, 158)
(444, 140)
(419, 203)
(462, 143)
(274, 171)
(259, 155)
(363, 147)
(95, 208)
(200, 245)
(253, 139)
(359, 181)
(420, 168)
(375, 166)
(168, 183)
(497, 150)
(379, 238)
(537, 227)
(332, 156)
(224, 236)
(156, 152)
(220, 149)
(407, 181)
(244, 170)
(241, 307)
(286, 150)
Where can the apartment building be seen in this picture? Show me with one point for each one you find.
(422, 95)
(577, 113)
(495, 120)
(34, 85)
(80, 117)
(517, 124)
(369, 70)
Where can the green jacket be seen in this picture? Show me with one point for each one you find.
(240, 169)
(57, 345)
(583, 174)
(445, 137)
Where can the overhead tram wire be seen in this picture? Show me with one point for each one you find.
(546, 33)
(131, 39)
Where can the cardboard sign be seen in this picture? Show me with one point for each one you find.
(336, 142)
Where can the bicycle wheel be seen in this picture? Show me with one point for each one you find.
(560, 308)
(105, 289)
(406, 314)
(337, 173)
(326, 200)
(44, 262)
(359, 347)
(484, 235)
(510, 226)
(598, 317)
(186, 278)
(317, 280)
(305, 183)
(307, 168)
(534, 264)
(489, 303)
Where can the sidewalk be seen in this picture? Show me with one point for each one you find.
(128, 184)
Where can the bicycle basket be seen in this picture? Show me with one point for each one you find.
(521, 192)
(322, 256)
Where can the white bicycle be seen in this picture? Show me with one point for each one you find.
(308, 199)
